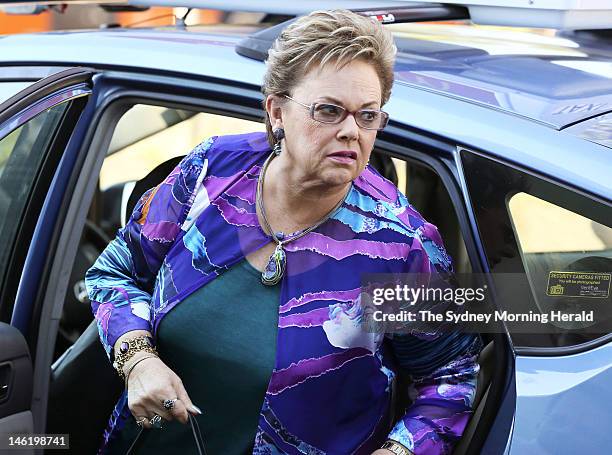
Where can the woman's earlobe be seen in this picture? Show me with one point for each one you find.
(279, 133)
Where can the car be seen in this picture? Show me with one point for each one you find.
(500, 136)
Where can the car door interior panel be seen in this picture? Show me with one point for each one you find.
(15, 381)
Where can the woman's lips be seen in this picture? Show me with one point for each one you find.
(344, 156)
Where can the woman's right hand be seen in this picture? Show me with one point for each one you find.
(149, 384)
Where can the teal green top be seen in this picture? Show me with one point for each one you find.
(221, 342)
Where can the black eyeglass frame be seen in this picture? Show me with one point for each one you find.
(311, 108)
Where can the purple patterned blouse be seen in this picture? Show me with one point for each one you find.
(329, 392)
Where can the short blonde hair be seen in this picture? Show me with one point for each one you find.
(327, 37)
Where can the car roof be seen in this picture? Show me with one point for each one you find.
(547, 79)
(186, 52)
(535, 75)
(540, 88)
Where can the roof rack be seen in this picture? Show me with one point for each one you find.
(416, 12)
(557, 14)
(281, 7)
(257, 45)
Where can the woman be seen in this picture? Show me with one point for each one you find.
(242, 267)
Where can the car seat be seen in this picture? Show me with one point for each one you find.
(486, 362)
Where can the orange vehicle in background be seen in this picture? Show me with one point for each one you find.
(64, 17)
(10, 23)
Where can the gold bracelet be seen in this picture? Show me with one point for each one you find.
(129, 348)
(396, 447)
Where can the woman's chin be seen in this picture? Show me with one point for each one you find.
(339, 178)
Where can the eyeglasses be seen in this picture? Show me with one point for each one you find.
(368, 119)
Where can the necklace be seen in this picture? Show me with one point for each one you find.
(275, 268)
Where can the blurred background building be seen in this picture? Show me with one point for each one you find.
(63, 17)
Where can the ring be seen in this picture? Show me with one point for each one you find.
(169, 404)
(156, 422)
(140, 422)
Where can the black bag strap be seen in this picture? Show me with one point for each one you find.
(197, 435)
(195, 429)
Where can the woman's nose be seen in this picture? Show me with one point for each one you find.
(349, 130)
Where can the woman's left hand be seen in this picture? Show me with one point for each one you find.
(382, 452)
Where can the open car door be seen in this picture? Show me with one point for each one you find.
(39, 144)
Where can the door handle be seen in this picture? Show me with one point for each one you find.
(5, 380)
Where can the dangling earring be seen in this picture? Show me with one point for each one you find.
(277, 149)
(278, 134)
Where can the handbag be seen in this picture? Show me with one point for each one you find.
(195, 429)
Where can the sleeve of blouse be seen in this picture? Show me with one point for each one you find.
(121, 281)
(443, 370)
(443, 387)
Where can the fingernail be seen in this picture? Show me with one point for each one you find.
(195, 409)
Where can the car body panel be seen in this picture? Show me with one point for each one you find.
(192, 53)
(597, 129)
(560, 398)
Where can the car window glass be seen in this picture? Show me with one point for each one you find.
(21, 155)
(553, 243)
(8, 89)
(147, 136)
(567, 256)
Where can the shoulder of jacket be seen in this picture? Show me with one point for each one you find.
(249, 142)
(226, 155)
(390, 201)
(231, 154)
(391, 204)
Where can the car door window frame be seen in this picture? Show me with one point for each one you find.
(28, 104)
(442, 158)
(116, 91)
(440, 163)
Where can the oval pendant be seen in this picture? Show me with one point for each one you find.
(275, 268)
